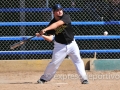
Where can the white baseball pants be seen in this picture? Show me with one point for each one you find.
(59, 53)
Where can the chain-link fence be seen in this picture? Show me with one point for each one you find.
(101, 11)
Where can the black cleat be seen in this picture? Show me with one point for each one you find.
(85, 82)
(41, 81)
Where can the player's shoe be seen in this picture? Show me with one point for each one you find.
(41, 81)
(85, 82)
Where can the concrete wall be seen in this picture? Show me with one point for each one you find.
(36, 65)
(105, 64)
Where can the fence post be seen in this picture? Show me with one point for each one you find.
(22, 28)
(47, 3)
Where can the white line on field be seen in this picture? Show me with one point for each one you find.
(61, 83)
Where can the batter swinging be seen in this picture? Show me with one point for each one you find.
(64, 44)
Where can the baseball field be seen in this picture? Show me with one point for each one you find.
(16, 75)
(65, 80)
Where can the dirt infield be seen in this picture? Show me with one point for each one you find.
(63, 80)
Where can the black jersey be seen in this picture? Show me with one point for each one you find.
(64, 33)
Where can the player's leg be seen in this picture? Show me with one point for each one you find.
(59, 53)
(78, 62)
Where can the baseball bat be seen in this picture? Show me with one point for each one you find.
(20, 43)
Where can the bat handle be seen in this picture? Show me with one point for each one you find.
(31, 37)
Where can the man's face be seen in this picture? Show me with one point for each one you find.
(58, 12)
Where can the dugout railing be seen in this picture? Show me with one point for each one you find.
(49, 52)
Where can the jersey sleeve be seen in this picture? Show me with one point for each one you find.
(50, 32)
(66, 19)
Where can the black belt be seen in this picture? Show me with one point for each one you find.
(65, 43)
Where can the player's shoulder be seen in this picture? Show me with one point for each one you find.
(66, 15)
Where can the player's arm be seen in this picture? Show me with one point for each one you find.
(52, 26)
(46, 37)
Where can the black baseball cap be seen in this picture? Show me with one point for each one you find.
(57, 7)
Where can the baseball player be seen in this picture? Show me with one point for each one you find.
(64, 44)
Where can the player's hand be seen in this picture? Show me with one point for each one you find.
(42, 32)
(37, 34)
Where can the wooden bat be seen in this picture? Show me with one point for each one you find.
(20, 43)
